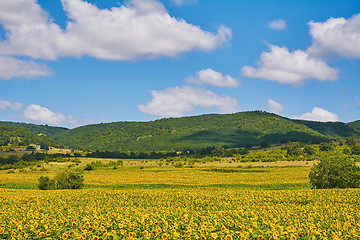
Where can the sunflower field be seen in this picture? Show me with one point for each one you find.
(181, 204)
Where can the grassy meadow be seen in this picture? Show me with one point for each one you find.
(142, 200)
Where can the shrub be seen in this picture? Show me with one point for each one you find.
(45, 183)
(30, 148)
(178, 165)
(69, 180)
(76, 160)
(355, 150)
(309, 150)
(335, 172)
(347, 151)
(89, 167)
(93, 165)
(350, 142)
(293, 149)
(64, 180)
(326, 146)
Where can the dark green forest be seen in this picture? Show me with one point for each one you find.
(239, 130)
(355, 125)
(244, 129)
(37, 129)
(333, 129)
(18, 136)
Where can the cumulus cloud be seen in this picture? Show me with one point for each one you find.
(286, 67)
(275, 107)
(319, 115)
(12, 105)
(137, 29)
(175, 102)
(43, 115)
(211, 77)
(277, 24)
(336, 35)
(11, 67)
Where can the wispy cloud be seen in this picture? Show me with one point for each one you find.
(11, 67)
(357, 101)
(12, 105)
(211, 77)
(277, 24)
(184, 2)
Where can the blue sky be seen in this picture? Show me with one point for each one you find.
(72, 62)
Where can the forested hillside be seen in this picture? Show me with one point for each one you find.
(37, 129)
(231, 130)
(19, 136)
(355, 125)
(244, 129)
(332, 129)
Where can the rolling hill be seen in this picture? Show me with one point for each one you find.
(231, 130)
(19, 136)
(43, 130)
(332, 129)
(355, 125)
(241, 129)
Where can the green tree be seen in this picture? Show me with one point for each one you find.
(293, 149)
(310, 150)
(89, 167)
(44, 146)
(355, 150)
(13, 158)
(347, 151)
(45, 183)
(64, 180)
(264, 144)
(218, 151)
(326, 146)
(350, 141)
(30, 148)
(69, 180)
(335, 172)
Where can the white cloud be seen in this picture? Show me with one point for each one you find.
(12, 105)
(275, 107)
(336, 35)
(357, 100)
(43, 115)
(175, 102)
(286, 67)
(277, 24)
(209, 76)
(138, 29)
(11, 67)
(183, 2)
(319, 115)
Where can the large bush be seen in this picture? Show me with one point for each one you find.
(64, 180)
(45, 183)
(335, 172)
